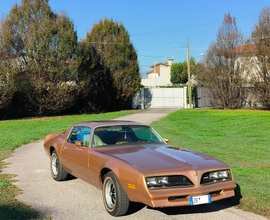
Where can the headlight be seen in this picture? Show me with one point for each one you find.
(216, 176)
(168, 182)
(163, 180)
(151, 181)
(213, 175)
(223, 174)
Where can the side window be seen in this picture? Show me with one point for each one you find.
(80, 133)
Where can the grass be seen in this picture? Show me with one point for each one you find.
(240, 138)
(14, 133)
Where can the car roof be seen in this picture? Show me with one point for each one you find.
(108, 122)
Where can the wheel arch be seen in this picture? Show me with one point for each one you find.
(131, 185)
(51, 149)
(103, 172)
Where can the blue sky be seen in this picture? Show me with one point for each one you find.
(159, 29)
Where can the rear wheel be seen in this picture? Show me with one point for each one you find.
(57, 171)
(115, 198)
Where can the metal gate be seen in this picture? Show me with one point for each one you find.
(160, 98)
(202, 98)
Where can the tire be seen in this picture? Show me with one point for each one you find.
(115, 198)
(57, 171)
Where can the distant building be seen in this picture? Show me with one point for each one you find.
(247, 59)
(159, 75)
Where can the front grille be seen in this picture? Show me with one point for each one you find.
(173, 198)
(179, 181)
(216, 192)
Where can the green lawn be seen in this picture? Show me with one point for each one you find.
(14, 133)
(240, 138)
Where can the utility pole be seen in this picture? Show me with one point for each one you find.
(155, 74)
(189, 81)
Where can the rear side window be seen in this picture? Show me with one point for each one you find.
(80, 133)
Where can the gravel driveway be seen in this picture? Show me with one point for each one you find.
(76, 199)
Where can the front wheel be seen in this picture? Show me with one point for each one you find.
(57, 171)
(115, 198)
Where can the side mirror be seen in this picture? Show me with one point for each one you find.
(166, 140)
(78, 143)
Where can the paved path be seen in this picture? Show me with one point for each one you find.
(76, 199)
(148, 116)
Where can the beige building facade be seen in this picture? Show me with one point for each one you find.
(159, 75)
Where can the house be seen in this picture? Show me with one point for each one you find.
(245, 48)
(245, 58)
(248, 60)
(159, 75)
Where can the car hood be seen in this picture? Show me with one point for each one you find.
(150, 158)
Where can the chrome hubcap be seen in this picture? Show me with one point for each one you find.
(110, 195)
(54, 165)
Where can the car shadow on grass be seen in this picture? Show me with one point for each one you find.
(213, 207)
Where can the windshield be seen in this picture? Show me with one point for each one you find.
(124, 134)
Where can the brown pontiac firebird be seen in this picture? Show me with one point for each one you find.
(129, 161)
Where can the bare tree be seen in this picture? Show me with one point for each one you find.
(260, 64)
(222, 71)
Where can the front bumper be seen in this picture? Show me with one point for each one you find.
(180, 196)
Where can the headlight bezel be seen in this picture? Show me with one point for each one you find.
(171, 181)
(216, 176)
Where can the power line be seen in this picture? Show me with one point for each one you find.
(109, 43)
(173, 30)
(168, 48)
(93, 42)
(159, 56)
(187, 27)
(160, 43)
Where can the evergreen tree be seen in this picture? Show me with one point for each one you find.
(179, 71)
(41, 46)
(116, 70)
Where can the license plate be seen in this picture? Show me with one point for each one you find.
(197, 200)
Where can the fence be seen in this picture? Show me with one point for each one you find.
(202, 98)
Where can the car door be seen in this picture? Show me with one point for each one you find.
(75, 157)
